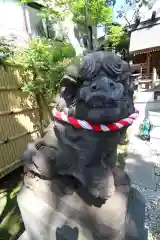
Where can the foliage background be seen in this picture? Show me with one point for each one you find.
(43, 62)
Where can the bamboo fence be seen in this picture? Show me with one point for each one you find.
(22, 119)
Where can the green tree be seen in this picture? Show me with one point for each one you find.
(88, 13)
(114, 35)
(118, 39)
(96, 11)
(44, 62)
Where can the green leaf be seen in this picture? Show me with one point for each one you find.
(46, 60)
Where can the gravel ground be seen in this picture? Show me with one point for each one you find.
(152, 218)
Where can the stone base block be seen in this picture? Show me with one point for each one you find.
(79, 216)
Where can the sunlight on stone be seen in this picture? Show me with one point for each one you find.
(150, 237)
(15, 191)
(3, 202)
(121, 149)
(13, 224)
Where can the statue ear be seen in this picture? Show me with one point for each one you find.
(68, 80)
(71, 74)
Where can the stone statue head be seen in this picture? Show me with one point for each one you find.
(97, 89)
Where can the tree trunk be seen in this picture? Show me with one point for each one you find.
(90, 37)
(40, 113)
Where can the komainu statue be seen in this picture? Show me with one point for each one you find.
(73, 168)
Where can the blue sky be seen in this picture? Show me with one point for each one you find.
(129, 12)
(119, 3)
(145, 12)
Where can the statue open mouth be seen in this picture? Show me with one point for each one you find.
(103, 99)
(102, 92)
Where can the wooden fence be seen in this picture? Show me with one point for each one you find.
(21, 119)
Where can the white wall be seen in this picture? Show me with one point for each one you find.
(11, 16)
(20, 21)
(12, 21)
(68, 28)
(35, 22)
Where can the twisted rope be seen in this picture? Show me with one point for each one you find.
(109, 127)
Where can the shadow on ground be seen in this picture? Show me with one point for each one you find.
(11, 225)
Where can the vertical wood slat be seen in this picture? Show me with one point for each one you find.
(16, 124)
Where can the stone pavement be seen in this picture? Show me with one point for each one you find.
(143, 161)
(142, 155)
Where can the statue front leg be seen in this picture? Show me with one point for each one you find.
(100, 181)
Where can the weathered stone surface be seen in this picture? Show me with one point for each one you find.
(135, 217)
(49, 215)
(104, 221)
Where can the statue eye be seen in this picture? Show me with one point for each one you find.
(86, 83)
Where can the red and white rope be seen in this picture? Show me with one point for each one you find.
(109, 127)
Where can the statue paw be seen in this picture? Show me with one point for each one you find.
(101, 183)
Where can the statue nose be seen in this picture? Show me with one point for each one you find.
(94, 87)
(112, 85)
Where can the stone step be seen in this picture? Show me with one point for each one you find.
(155, 133)
(146, 107)
(144, 97)
(154, 117)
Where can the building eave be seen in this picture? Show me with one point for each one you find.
(145, 51)
(145, 40)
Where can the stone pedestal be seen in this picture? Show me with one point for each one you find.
(50, 215)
